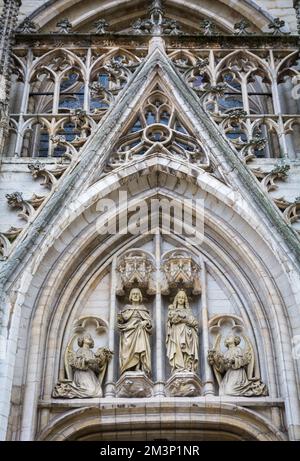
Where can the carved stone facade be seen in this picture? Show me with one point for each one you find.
(150, 219)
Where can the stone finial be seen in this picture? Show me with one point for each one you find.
(27, 27)
(276, 25)
(241, 28)
(208, 27)
(101, 26)
(64, 26)
(171, 27)
(156, 8)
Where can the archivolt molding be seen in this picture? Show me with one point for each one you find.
(86, 234)
(230, 418)
(83, 240)
(53, 10)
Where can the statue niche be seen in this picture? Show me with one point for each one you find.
(182, 349)
(234, 368)
(85, 370)
(135, 327)
(182, 335)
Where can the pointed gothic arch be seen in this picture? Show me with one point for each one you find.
(234, 424)
(218, 11)
(61, 251)
(53, 288)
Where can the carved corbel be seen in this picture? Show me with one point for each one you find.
(242, 28)
(64, 27)
(101, 27)
(276, 25)
(27, 27)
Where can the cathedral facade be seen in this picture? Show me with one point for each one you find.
(150, 220)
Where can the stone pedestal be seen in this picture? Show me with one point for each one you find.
(183, 384)
(134, 384)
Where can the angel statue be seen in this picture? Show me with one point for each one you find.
(135, 326)
(85, 370)
(182, 335)
(234, 369)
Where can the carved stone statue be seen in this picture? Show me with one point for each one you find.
(234, 369)
(182, 335)
(86, 368)
(135, 326)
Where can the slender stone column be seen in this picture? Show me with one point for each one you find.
(110, 386)
(159, 346)
(208, 386)
(8, 23)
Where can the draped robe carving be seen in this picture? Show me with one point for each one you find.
(87, 368)
(182, 335)
(135, 326)
(234, 369)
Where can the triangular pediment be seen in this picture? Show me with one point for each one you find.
(157, 124)
(176, 125)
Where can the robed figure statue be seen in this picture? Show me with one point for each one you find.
(182, 335)
(135, 326)
(234, 368)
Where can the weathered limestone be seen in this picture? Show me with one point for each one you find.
(158, 128)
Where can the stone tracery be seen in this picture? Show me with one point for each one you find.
(216, 269)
